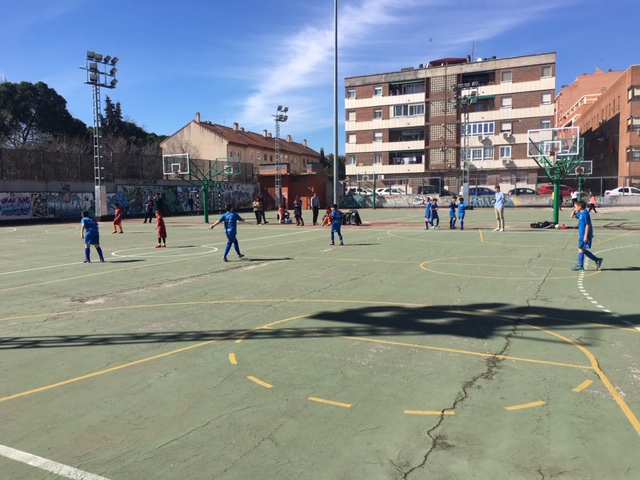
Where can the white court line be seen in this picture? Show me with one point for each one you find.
(47, 465)
(40, 268)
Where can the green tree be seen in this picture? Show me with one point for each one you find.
(33, 114)
(328, 168)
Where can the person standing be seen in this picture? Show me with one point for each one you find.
(574, 197)
(585, 235)
(190, 203)
(256, 210)
(297, 211)
(452, 213)
(499, 208)
(148, 209)
(162, 230)
(159, 203)
(315, 206)
(435, 218)
(117, 219)
(230, 220)
(592, 202)
(461, 209)
(90, 233)
(427, 213)
(336, 224)
(264, 217)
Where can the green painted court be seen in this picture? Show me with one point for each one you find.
(404, 354)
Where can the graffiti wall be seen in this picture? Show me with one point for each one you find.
(68, 205)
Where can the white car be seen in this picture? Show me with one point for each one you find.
(389, 191)
(623, 191)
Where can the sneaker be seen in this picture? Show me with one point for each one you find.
(121, 232)
(331, 243)
(114, 232)
(341, 244)
(87, 261)
(577, 268)
(164, 245)
(599, 263)
(224, 259)
(496, 229)
(241, 256)
(158, 246)
(102, 260)
(501, 230)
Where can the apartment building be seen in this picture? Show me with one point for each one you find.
(454, 114)
(611, 130)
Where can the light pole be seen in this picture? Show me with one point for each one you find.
(101, 72)
(280, 116)
(464, 95)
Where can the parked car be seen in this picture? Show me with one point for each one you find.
(622, 191)
(522, 191)
(565, 191)
(479, 191)
(359, 191)
(389, 191)
(446, 193)
(433, 190)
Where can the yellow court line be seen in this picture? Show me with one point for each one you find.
(582, 386)
(330, 402)
(481, 236)
(232, 359)
(607, 383)
(259, 382)
(429, 412)
(525, 405)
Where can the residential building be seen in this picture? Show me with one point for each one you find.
(573, 99)
(408, 124)
(204, 140)
(611, 130)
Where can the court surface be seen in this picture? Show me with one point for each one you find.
(404, 354)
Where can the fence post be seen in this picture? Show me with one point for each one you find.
(43, 172)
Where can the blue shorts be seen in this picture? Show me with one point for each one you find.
(231, 237)
(92, 238)
(583, 244)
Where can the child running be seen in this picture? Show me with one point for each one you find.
(91, 235)
(117, 221)
(452, 213)
(336, 224)
(461, 209)
(162, 230)
(230, 220)
(585, 235)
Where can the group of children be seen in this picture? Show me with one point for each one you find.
(432, 218)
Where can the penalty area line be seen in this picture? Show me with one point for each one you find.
(47, 465)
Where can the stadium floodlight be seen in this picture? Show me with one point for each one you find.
(279, 117)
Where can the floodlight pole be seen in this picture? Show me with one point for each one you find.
(96, 66)
(464, 101)
(335, 102)
(280, 117)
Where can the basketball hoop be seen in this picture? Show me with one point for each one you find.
(579, 171)
(176, 171)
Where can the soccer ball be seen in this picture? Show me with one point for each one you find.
(557, 226)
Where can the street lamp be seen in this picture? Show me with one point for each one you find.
(101, 72)
(464, 95)
(280, 116)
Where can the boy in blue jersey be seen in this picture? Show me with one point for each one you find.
(91, 235)
(435, 218)
(427, 214)
(230, 219)
(336, 224)
(585, 234)
(452, 212)
(461, 208)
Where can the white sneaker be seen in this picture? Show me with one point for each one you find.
(496, 229)
(502, 229)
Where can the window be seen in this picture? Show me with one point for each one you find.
(351, 116)
(230, 153)
(352, 138)
(505, 127)
(545, 123)
(634, 93)
(377, 114)
(351, 94)
(258, 155)
(377, 158)
(633, 154)
(377, 136)
(633, 124)
(505, 76)
(408, 110)
(546, 99)
(478, 154)
(377, 91)
(546, 71)
(352, 159)
(505, 102)
(505, 151)
(476, 129)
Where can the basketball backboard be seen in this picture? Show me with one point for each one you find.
(553, 142)
(583, 169)
(175, 164)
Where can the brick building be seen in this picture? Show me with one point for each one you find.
(408, 124)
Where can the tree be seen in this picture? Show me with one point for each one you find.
(328, 168)
(34, 114)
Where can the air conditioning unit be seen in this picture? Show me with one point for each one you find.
(506, 133)
(481, 138)
(506, 161)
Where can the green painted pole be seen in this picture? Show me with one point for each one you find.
(205, 198)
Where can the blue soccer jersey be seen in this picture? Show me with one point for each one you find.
(584, 219)
(452, 209)
(336, 220)
(230, 220)
(91, 232)
(427, 210)
(461, 208)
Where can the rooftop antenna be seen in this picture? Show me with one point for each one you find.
(473, 50)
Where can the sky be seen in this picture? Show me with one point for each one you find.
(237, 61)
